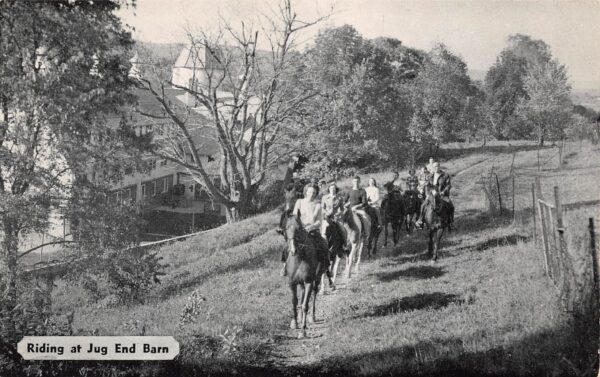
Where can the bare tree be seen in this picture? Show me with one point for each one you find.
(238, 96)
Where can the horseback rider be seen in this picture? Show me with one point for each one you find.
(330, 204)
(358, 202)
(423, 179)
(412, 181)
(439, 181)
(430, 165)
(308, 209)
(395, 182)
(374, 199)
(290, 196)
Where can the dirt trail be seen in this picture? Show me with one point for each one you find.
(288, 351)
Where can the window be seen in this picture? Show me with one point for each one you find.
(153, 188)
(168, 183)
(144, 193)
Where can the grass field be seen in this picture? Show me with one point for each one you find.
(484, 308)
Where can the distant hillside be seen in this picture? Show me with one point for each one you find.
(167, 51)
(586, 97)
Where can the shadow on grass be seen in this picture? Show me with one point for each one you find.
(557, 352)
(188, 280)
(417, 272)
(564, 351)
(420, 301)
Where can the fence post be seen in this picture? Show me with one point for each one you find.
(538, 188)
(538, 157)
(560, 154)
(596, 276)
(513, 196)
(533, 207)
(564, 261)
(512, 163)
(499, 195)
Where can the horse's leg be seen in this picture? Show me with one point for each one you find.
(438, 240)
(385, 231)
(313, 316)
(308, 287)
(359, 251)
(430, 244)
(294, 323)
(351, 259)
(375, 240)
(335, 268)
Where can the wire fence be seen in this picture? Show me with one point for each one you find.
(568, 245)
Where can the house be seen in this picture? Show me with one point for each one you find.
(167, 186)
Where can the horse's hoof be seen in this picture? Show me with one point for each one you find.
(302, 334)
(311, 319)
(294, 324)
(332, 287)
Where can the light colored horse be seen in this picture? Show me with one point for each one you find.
(354, 232)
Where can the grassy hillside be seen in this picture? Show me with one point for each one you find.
(485, 307)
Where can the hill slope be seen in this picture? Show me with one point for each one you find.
(485, 307)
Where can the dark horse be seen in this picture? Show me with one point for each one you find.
(412, 204)
(304, 269)
(392, 212)
(437, 217)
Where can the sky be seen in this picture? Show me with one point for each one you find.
(476, 30)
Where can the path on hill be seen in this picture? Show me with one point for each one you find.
(289, 351)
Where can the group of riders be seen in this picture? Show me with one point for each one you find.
(319, 217)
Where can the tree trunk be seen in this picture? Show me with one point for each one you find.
(541, 139)
(231, 213)
(9, 250)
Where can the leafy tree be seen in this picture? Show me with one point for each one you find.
(548, 108)
(524, 70)
(504, 89)
(63, 79)
(439, 96)
(363, 108)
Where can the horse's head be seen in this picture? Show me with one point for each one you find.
(294, 233)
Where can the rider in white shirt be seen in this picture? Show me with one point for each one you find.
(374, 198)
(308, 209)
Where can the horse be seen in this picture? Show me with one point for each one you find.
(412, 204)
(304, 269)
(437, 217)
(372, 233)
(357, 233)
(392, 211)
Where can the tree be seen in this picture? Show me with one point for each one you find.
(244, 95)
(504, 89)
(522, 69)
(361, 113)
(548, 108)
(439, 94)
(63, 70)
